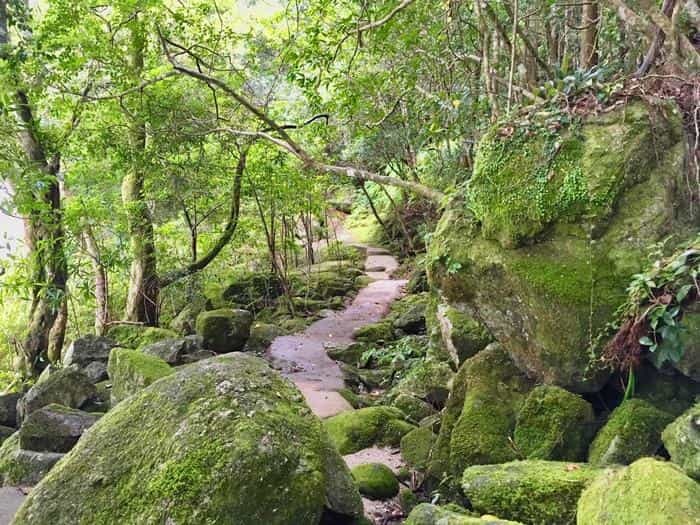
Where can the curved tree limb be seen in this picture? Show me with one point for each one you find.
(194, 267)
(285, 141)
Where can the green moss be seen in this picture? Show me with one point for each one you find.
(375, 481)
(416, 447)
(552, 227)
(554, 424)
(682, 440)
(427, 514)
(136, 336)
(23, 467)
(466, 335)
(427, 379)
(483, 433)
(132, 370)
(382, 331)
(359, 429)
(224, 330)
(648, 491)
(265, 458)
(633, 430)
(415, 409)
(534, 492)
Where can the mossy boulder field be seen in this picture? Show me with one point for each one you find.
(223, 440)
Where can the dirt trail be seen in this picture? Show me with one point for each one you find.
(302, 357)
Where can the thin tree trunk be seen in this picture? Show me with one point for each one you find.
(589, 35)
(144, 289)
(102, 317)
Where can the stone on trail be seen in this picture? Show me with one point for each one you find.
(132, 371)
(355, 430)
(682, 440)
(222, 440)
(632, 431)
(224, 330)
(67, 386)
(648, 492)
(375, 481)
(534, 492)
(54, 428)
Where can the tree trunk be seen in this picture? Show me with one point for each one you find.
(589, 35)
(102, 317)
(144, 289)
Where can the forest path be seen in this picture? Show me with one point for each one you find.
(302, 357)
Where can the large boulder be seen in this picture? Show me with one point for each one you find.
(416, 447)
(54, 428)
(492, 390)
(68, 387)
(553, 226)
(682, 440)
(132, 371)
(534, 492)
(355, 430)
(90, 354)
(648, 491)
(224, 330)
(261, 337)
(632, 431)
(554, 424)
(222, 439)
(23, 467)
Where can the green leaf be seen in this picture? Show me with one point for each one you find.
(646, 341)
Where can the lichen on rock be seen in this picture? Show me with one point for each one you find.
(131, 371)
(682, 440)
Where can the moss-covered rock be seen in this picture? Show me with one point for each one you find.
(6, 432)
(427, 514)
(375, 481)
(495, 391)
(355, 430)
(224, 330)
(8, 409)
(54, 428)
(89, 353)
(682, 440)
(253, 291)
(379, 332)
(136, 336)
(534, 492)
(462, 335)
(222, 438)
(68, 387)
(350, 354)
(428, 380)
(131, 371)
(261, 337)
(554, 424)
(648, 491)
(632, 431)
(415, 409)
(416, 447)
(23, 467)
(554, 226)
(176, 352)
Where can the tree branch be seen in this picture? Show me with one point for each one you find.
(368, 27)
